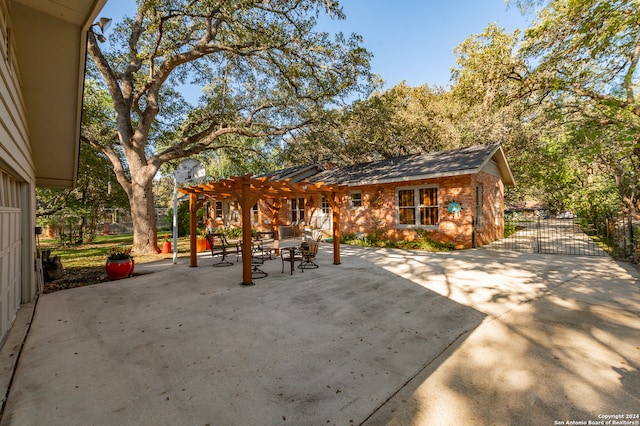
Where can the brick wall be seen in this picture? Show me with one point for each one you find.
(492, 226)
(378, 213)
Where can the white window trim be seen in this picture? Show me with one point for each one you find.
(255, 214)
(217, 210)
(351, 206)
(416, 190)
(300, 217)
(325, 207)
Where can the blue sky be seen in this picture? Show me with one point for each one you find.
(411, 40)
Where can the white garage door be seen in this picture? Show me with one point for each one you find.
(10, 262)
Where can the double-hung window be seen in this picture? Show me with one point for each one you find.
(218, 210)
(355, 200)
(254, 214)
(418, 206)
(324, 205)
(297, 210)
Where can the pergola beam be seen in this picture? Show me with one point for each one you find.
(247, 191)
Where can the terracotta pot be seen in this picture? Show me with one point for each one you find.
(118, 269)
(166, 247)
(201, 245)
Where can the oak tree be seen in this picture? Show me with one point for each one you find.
(265, 70)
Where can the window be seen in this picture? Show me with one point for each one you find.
(479, 206)
(429, 206)
(355, 199)
(406, 207)
(254, 214)
(235, 213)
(297, 210)
(9, 191)
(418, 206)
(217, 210)
(324, 205)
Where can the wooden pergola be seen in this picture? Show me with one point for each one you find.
(247, 191)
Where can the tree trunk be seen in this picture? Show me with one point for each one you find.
(143, 216)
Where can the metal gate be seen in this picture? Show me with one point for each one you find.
(548, 236)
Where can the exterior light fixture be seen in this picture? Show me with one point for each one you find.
(103, 24)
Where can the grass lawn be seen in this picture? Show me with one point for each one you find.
(84, 264)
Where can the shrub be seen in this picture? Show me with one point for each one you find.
(510, 228)
(119, 253)
(422, 242)
(425, 242)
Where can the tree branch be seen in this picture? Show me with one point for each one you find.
(87, 137)
(120, 104)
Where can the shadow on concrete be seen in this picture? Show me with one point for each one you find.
(561, 342)
(190, 346)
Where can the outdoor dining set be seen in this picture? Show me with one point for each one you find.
(264, 247)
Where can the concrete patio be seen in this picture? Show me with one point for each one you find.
(395, 337)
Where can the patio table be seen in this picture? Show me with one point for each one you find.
(289, 245)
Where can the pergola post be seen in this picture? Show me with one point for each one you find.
(193, 208)
(335, 226)
(245, 199)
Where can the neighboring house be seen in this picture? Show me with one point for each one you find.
(458, 196)
(42, 68)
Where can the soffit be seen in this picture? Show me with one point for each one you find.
(74, 12)
(50, 41)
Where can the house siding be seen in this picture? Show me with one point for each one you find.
(17, 187)
(492, 209)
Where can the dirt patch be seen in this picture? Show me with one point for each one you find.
(77, 277)
(88, 275)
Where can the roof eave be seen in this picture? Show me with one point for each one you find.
(51, 51)
(415, 177)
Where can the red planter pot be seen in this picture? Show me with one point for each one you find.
(166, 247)
(117, 269)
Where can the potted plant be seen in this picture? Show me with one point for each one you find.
(119, 263)
(201, 242)
(166, 245)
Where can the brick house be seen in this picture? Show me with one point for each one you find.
(457, 195)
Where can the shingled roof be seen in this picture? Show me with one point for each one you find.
(457, 162)
(295, 174)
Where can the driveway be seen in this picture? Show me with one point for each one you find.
(387, 337)
(549, 236)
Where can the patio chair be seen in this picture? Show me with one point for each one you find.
(257, 260)
(218, 248)
(261, 246)
(234, 246)
(309, 254)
